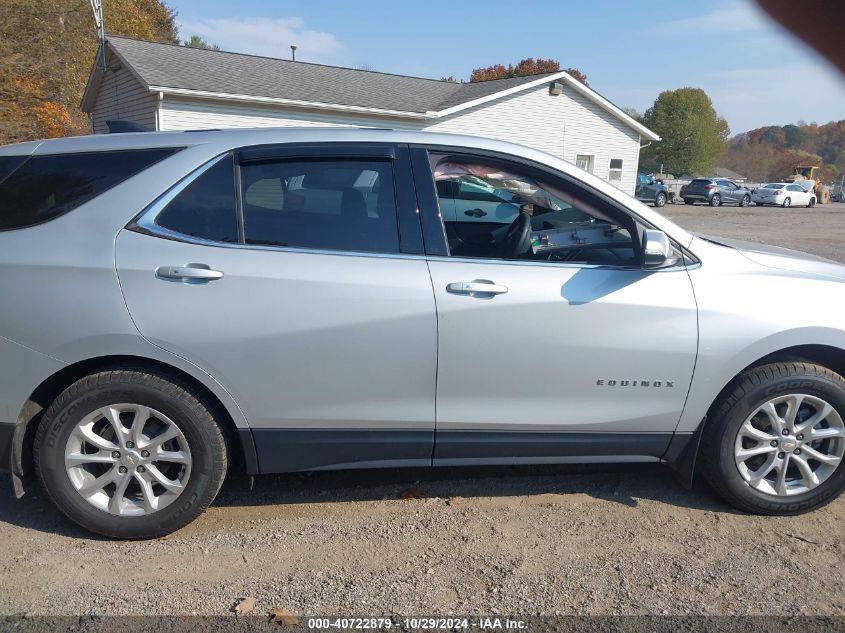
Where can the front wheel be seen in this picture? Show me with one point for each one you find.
(130, 454)
(775, 444)
(787, 202)
(660, 199)
(812, 203)
(746, 200)
(716, 200)
(689, 201)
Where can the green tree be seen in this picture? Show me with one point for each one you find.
(694, 137)
(794, 136)
(198, 42)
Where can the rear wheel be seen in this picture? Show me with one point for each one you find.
(787, 202)
(775, 444)
(660, 199)
(716, 200)
(130, 454)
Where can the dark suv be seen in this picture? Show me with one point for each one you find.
(651, 190)
(715, 192)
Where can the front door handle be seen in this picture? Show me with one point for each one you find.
(477, 213)
(478, 286)
(189, 272)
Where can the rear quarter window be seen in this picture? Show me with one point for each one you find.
(40, 188)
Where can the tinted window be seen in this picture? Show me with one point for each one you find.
(518, 216)
(344, 205)
(45, 187)
(8, 164)
(206, 207)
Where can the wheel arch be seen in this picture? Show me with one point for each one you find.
(682, 455)
(239, 438)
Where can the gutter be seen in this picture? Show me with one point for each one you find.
(311, 105)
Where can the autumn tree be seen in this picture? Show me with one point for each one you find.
(771, 152)
(693, 136)
(524, 67)
(46, 52)
(196, 41)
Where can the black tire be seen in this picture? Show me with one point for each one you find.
(812, 203)
(660, 199)
(787, 202)
(746, 201)
(716, 200)
(753, 388)
(689, 201)
(161, 392)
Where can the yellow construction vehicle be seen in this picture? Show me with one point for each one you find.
(805, 176)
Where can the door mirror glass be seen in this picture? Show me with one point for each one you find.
(657, 250)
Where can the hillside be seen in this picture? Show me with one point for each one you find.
(770, 153)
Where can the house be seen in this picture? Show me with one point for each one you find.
(169, 87)
(724, 172)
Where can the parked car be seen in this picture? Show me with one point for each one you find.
(715, 192)
(784, 195)
(651, 191)
(180, 304)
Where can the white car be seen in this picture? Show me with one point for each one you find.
(783, 194)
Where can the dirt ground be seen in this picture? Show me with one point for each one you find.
(527, 540)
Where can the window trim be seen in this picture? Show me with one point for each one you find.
(592, 162)
(611, 170)
(424, 157)
(407, 216)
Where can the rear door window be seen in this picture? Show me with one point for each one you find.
(343, 205)
(206, 207)
(42, 188)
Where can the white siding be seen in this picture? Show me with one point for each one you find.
(122, 97)
(196, 115)
(564, 125)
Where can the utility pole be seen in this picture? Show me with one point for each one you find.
(97, 8)
(292, 51)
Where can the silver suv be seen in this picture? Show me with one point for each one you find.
(179, 304)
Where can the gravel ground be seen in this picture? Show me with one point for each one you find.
(539, 540)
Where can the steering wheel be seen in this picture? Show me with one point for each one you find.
(518, 238)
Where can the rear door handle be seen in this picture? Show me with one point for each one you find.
(479, 286)
(189, 272)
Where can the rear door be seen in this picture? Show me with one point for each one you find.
(303, 290)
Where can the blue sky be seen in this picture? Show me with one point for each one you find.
(755, 73)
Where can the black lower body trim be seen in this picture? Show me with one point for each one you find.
(515, 446)
(7, 434)
(288, 450)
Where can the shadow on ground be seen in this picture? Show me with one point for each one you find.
(622, 484)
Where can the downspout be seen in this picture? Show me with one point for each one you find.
(159, 101)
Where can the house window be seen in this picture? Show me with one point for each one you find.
(615, 173)
(585, 162)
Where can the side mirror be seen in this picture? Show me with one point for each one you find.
(657, 250)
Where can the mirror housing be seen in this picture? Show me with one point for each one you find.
(657, 250)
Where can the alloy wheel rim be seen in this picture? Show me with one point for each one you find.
(128, 459)
(790, 445)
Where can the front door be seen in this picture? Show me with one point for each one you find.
(295, 294)
(554, 342)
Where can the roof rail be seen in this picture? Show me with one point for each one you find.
(116, 127)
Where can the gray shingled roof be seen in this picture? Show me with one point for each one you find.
(171, 66)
